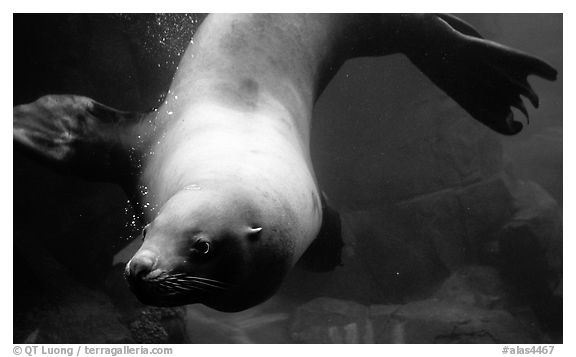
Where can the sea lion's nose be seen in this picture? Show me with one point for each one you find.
(141, 265)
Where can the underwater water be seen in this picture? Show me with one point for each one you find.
(453, 233)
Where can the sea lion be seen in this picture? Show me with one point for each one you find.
(222, 169)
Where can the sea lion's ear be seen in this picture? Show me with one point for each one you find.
(76, 134)
(254, 233)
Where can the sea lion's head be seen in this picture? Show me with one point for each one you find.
(210, 247)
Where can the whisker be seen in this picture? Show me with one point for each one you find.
(172, 289)
(182, 288)
(197, 286)
(177, 275)
(203, 283)
(167, 290)
(185, 287)
(176, 286)
(205, 280)
(184, 283)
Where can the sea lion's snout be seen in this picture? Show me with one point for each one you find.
(142, 275)
(158, 286)
(140, 266)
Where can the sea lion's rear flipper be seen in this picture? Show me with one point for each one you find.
(325, 252)
(484, 77)
(77, 135)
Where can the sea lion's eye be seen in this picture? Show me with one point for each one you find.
(202, 247)
(144, 230)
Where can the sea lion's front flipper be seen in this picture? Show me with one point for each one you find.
(325, 252)
(77, 135)
(484, 77)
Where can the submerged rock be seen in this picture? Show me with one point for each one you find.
(530, 254)
(159, 325)
(82, 316)
(459, 221)
(537, 221)
(326, 320)
(267, 323)
(478, 286)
